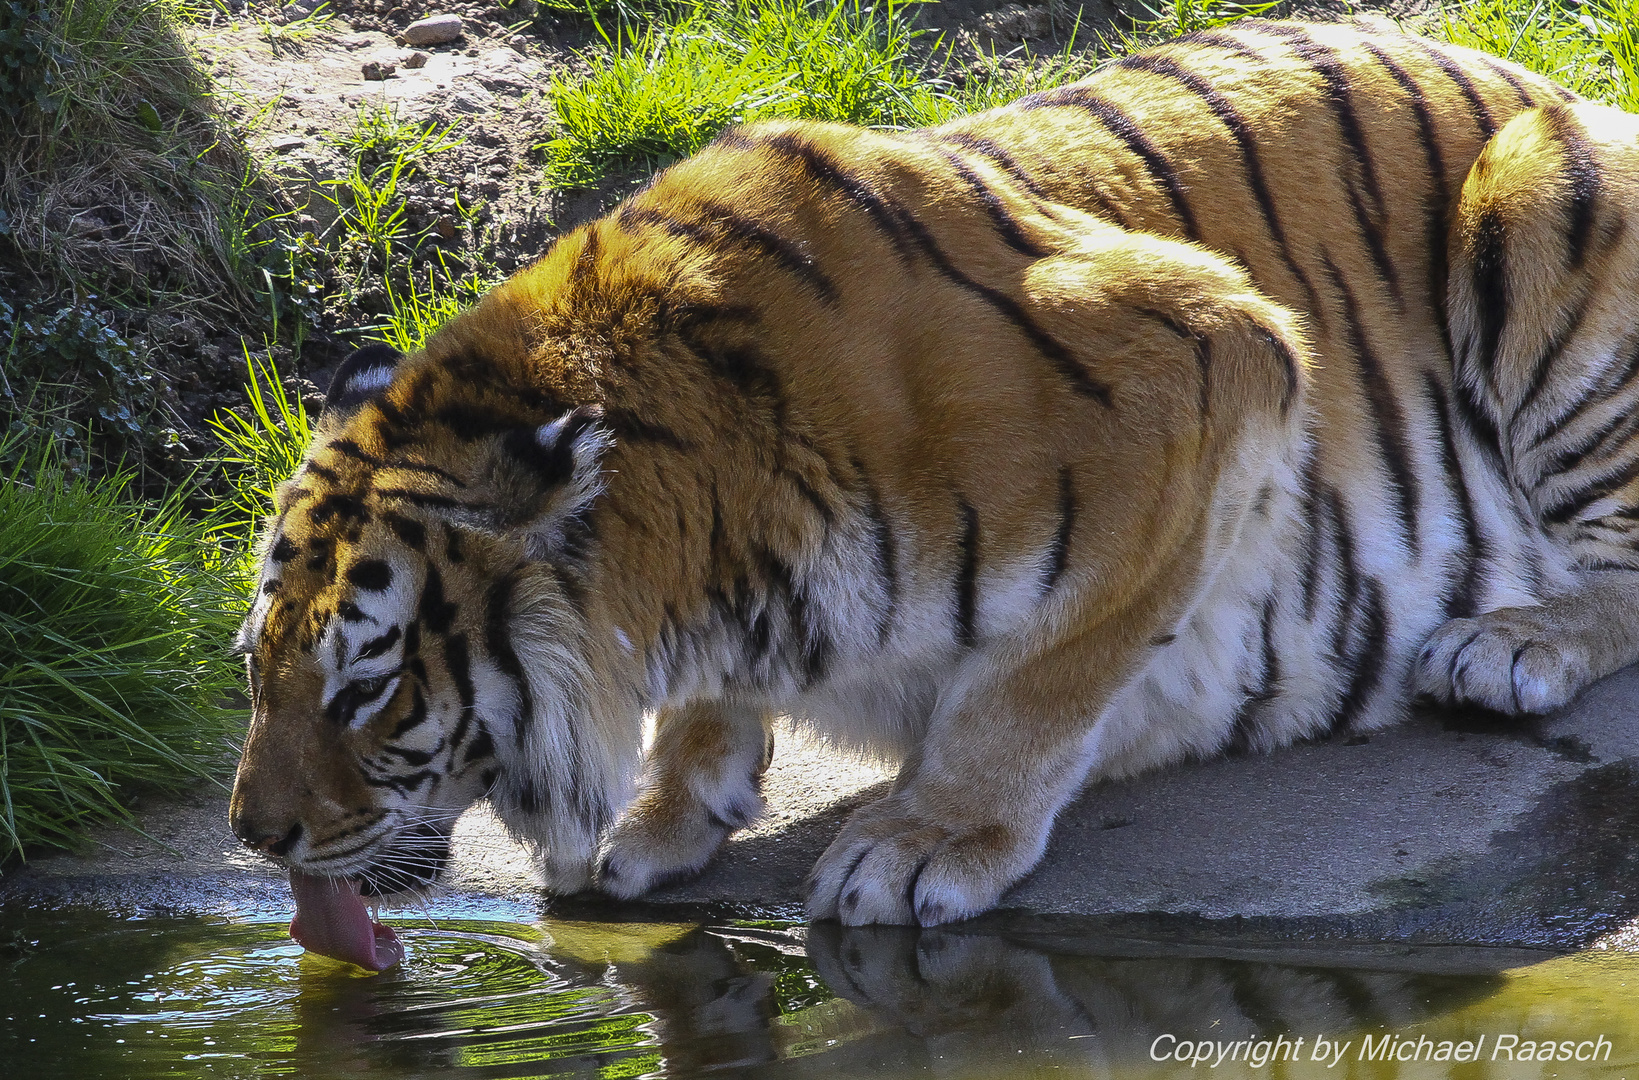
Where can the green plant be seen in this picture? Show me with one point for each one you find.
(662, 92)
(115, 618)
(1187, 16)
(259, 451)
(415, 312)
(377, 136)
(66, 370)
(292, 35)
(30, 58)
(1592, 48)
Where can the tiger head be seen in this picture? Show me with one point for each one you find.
(417, 639)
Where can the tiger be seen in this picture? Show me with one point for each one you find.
(1247, 391)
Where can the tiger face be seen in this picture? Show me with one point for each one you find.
(383, 647)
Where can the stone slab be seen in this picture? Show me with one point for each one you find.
(1448, 830)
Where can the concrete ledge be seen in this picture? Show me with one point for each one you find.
(1449, 830)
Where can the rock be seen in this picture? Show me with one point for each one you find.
(472, 101)
(378, 70)
(433, 30)
(415, 59)
(286, 143)
(297, 10)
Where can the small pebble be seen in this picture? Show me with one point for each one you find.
(378, 70)
(433, 30)
(415, 59)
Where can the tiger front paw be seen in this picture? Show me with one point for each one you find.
(1508, 660)
(671, 834)
(892, 864)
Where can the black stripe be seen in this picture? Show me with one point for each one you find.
(997, 155)
(887, 551)
(1122, 127)
(1349, 584)
(435, 612)
(1005, 224)
(410, 532)
(1338, 93)
(1601, 392)
(414, 718)
(1312, 546)
(1058, 555)
(721, 223)
(967, 575)
(1569, 505)
(1268, 688)
(458, 661)
(284, 550)
(629, 427)
(1221, 39)
(1366, 665)
(1199, 345)
(1438, 203)
(350, 449)
(416, 758)
(822, 169)
(1372, 237)
(323, 472)
(481, 748)
(1232, 120)
(1389, 420)
(498, 643)
(1490, 283)
(1449, 67)
(586, 259)
(1464, 600)
(378, 645)
(438, 502)
(1510, 78)
(1551, 351)
(1583, 173)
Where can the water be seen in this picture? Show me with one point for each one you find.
(518, 995)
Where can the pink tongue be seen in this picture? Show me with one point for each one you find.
(331, 921)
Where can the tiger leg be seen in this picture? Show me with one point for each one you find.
(932, 851)
(1207, 409)
(1545, 325)
(704, 780)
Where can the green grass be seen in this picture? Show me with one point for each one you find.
(259, 449)
(661, 91)
(1592, 48)
(115, 618)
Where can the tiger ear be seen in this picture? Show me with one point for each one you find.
(360, 378)
(540, 480)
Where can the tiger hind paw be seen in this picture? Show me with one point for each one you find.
(1510, 660)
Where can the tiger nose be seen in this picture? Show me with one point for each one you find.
(269, 841)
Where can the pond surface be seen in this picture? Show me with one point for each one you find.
(519, 995)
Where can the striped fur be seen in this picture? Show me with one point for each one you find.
(1227, 398)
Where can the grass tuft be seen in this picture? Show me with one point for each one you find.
(260, 450)
(662, 92)
(114, 622)
(1592, 47)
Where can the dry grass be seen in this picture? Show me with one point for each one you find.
(121, 176)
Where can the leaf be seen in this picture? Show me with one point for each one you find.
(148, 116)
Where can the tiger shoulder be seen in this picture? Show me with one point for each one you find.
(1232, 396)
